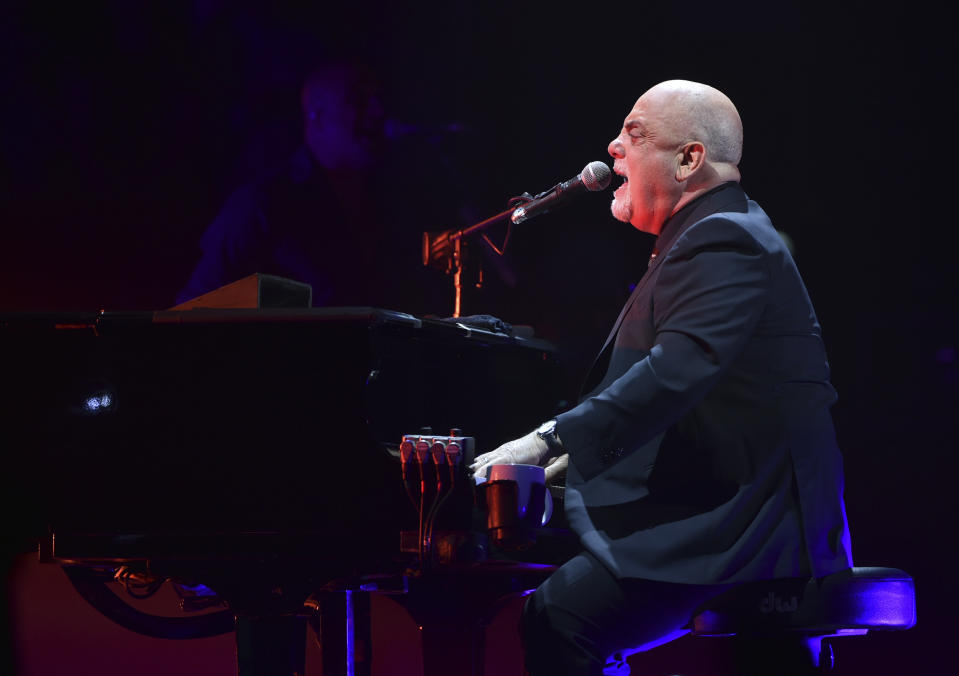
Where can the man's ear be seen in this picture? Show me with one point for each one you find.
(692, 156)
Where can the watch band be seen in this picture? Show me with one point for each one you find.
(547, 432)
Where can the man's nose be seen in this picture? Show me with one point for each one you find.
(615, 149)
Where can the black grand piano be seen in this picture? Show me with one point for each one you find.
(252, 452)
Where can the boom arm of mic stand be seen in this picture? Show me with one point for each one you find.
(448, 245)
(482, 225)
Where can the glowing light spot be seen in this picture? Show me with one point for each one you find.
(199, 590)
(98, 403)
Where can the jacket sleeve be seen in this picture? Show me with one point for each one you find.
(710, 293)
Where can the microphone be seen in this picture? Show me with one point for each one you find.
(595, 176)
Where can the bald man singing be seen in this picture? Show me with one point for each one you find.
(703, 454)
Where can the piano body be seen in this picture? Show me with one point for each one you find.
(249, 450)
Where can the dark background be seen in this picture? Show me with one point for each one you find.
(125, 125)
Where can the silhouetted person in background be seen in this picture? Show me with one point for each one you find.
(332, 217)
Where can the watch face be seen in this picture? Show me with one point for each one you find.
(546, 427)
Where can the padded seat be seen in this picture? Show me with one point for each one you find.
(852, 601)
(780, 624)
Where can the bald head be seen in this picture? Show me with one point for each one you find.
(680, 140)
(698, 112)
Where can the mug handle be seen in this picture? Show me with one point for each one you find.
(548, 511)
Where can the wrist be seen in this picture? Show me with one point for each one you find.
(547, 432)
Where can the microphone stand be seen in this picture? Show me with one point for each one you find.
(444, 248)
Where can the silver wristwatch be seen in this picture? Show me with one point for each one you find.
(547, 432)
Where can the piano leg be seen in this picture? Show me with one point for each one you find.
(451, 607)
(343, 631)
(452, 637)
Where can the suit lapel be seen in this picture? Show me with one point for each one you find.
(713, 202)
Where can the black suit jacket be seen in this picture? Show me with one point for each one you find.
(705, 451)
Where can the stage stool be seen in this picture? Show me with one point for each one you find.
(780, 625)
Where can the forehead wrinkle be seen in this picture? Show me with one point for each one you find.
(650, 128)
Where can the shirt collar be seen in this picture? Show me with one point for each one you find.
(709, 202)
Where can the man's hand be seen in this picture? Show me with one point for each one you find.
(528, 450)
(556, 468)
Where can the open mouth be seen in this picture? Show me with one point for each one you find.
(622, 187)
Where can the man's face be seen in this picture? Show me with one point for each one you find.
(647, 154)
(343, 127)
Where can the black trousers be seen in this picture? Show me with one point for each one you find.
(583, 614)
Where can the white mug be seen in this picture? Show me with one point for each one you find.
(524, 476)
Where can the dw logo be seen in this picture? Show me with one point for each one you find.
(773, 603)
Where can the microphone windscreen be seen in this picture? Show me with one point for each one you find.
(596, 176)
